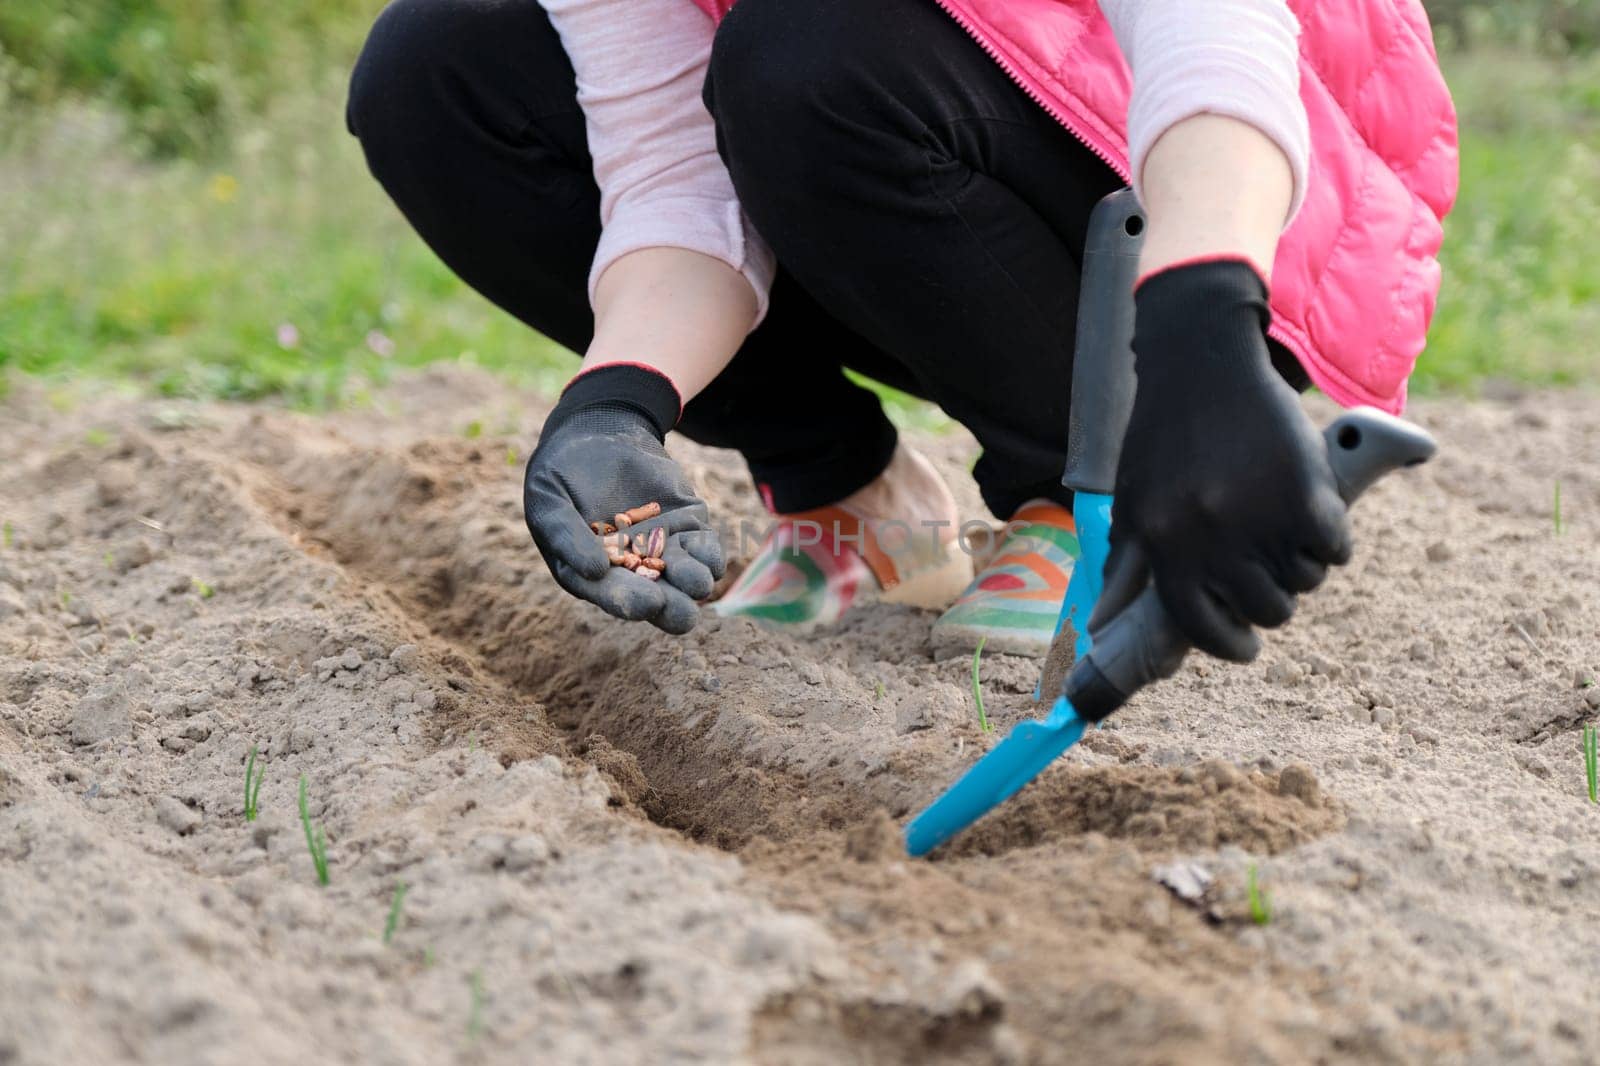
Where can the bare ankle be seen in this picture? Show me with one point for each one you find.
(909, 490)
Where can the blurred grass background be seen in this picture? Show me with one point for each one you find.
(185, 212)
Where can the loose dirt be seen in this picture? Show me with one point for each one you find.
(626, 847)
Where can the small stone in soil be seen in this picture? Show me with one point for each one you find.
(876, 839)
(176, 816)
(1189, 881)
(101, 715)
(526, 851)
(1298, 781)
(1285, 672)
(1224, 773)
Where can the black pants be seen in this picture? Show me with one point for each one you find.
(928, 217)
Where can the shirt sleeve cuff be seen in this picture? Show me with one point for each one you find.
(715, 228)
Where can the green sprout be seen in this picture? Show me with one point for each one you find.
(511, 456)
(977, 689)
(474, 430)
(316, 842)
(66, 598)
(1591, 763)
(205, 590)
(392, 923)
(475, 1019)
(97, 438)
(252, 785)
(1557, 512)
(8, 533)
(110, 560)
(877, 693)
(1260, 902)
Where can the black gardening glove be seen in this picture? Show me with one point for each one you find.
(601, 453)
(1224, 494)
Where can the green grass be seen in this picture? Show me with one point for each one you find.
(977, 687)
(1260, 902)
(1591, 763)
(293, 279)
(271, 266)
(252, 788)
(392, 922)
(1521, 295)
(179, 71)
(316, 841)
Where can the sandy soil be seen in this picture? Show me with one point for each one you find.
(625, 847)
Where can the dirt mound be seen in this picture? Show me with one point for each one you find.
(1198, 807)
(621, 846)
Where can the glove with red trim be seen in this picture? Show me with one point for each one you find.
(1224, 495)
(602, 452)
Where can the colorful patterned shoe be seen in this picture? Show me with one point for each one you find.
(1013, 603)
(816, 565)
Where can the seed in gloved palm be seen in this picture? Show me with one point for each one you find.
(602, 448)
(629, 551)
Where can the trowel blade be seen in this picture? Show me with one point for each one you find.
(995, 778)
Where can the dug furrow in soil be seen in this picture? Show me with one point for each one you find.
(356, 596)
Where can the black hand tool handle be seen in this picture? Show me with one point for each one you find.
(1142, 644)
(1102, 361)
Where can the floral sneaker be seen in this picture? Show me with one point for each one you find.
(1013, 602)
(816, 565)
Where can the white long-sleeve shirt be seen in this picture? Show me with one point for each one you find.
(641, 64)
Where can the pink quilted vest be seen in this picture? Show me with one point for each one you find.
(1356, 278)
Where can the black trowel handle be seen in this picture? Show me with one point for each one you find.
(1143, 644)
(1102, 361)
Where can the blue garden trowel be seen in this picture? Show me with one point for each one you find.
(1142, 644)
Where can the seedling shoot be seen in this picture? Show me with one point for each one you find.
(977, 687)
(252, 785)
(1260, 901)
(1591, 763)
(316, 841)
(392, 923)
(475, 1019)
